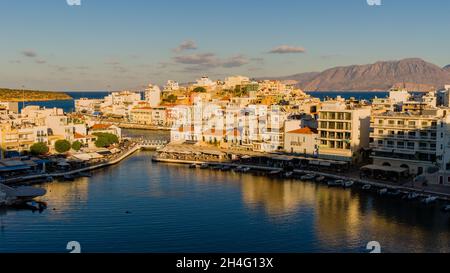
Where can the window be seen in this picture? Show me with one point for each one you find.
(380, 121)
(412, 123)
(411, 145)
(391, 122)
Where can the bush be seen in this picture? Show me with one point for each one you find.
(105, 140)
(39, 148)
(199, 90)
(76, 146)
(62, 146)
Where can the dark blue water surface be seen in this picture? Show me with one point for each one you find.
(172, 208)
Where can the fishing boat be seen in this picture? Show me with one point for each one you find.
(412, 196)
(308, 177)
(320, 179)
(367, 187)
(348, 184)
(383, 191)
(429, 200)
(335, 183)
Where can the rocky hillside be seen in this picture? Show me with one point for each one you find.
(414, 74)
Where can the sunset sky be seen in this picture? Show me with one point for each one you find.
(118, 44)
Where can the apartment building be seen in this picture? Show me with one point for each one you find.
(413, 141)
(343, 130)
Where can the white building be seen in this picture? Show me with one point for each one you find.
(205, 82)
(171, 86)
(232, 82)
(153, 95)
(302, 141)
(343, 131)
(414, 142)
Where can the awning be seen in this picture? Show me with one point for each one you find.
(384, 168)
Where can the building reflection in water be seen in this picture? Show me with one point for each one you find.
(349, 217)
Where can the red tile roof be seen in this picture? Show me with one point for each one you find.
(304, 131)
(100, 126)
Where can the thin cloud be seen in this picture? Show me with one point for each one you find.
(236, 61)
(199, 62)
(186, 45)
(286, 49)
(15, 62)
(29, 53)
(41, 61)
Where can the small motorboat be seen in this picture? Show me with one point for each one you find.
(275, 173)
(320, 179)
(348, 184)
(226, 168)
(193, 166)
(394, 193)
(204, 166)
(367, 187)
(446, 208)
(429, 200)
(335, 183)
(383, 191)
(245, 169)
(288, 174)
(308, 177)
(69, 177)
(412, 196)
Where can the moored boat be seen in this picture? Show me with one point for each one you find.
(367, 187)
(412, 196)
(429, 200)
(320, 179)
(383, 191)
(348, 184)
(308, 177)
(204, 166)
(335, 183)
(288, 174)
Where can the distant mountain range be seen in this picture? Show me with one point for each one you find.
(414, 74)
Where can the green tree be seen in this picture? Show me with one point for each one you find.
(172, 98)
(199, 90)
(39, 148)
(105, 139)
(62, 146)
(76, 146)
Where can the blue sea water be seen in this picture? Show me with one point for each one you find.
(69, 105)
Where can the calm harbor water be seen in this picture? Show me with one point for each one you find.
(141, 206)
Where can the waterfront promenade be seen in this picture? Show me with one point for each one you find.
(188, 154)
(135, 146)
